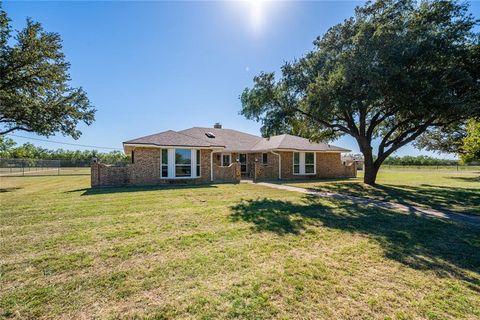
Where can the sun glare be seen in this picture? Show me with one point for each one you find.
(257, 14)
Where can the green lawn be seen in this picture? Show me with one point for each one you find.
(225, 251)
(458, 191)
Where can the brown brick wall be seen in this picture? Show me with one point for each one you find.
(217, 158)
(251, 164)
(226, 174)
(351, 171)
(145, 171)
(329, 165)
(103, 175)
(268, 171)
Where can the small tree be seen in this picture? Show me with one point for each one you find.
(471, 143)
(34, 92)
(6, 144)
(392, 72)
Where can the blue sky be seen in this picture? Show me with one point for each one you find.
(153, 66)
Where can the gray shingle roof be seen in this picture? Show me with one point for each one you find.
(287, 141)
(172, 138)
(232, 140)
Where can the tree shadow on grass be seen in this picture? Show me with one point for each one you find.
(467, 179)
(110, 190)
(2, 190)
(446, 248)
(464, 200)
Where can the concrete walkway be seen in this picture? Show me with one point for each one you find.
(419, 211)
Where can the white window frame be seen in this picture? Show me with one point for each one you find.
(229, 159)
(192, 173)
(264, 153)
(172, 165)
(198, 163)
(302, 164)
(161, 164)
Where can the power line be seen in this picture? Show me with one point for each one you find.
(65, 143)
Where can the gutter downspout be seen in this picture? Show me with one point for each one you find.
(279, 164)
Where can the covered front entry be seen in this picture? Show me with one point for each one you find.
(243, 165)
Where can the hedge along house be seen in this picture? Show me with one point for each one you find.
(204, 155)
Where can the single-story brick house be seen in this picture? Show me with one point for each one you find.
(203, 155)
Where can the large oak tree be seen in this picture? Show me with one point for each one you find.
(394, 71)
(35, 94)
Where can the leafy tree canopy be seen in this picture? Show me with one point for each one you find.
(419, 161)
(471, 143)
(394, 71)
(446, 139)
(35, 94)
(9, 149)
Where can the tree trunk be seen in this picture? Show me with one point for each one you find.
(370, 174)
(371, 170)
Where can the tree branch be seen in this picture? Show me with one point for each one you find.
(15, 128)
(401, 140)
(326, 123)
(377, 119)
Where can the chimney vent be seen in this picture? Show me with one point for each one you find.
(217, 125)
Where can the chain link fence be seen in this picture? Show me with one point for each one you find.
(39, 167)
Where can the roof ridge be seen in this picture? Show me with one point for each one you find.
(253, 147)
(284, 136)
(224, 129)
(268, 138)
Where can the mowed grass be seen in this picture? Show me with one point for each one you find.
(457, 191)
(225, 251)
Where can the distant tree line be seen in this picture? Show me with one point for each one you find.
(419, 161)
(9, 149)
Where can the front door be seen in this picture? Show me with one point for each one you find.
(243, 163)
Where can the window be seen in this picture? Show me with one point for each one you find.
(164, 169)
(226, 160)
(180, 163)
(183, 162)
(309, 162)
(198, 163)
(264, 158)
(133, 156)
(296, 162)
(304, 163)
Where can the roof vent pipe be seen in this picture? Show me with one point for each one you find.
(217, 125)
